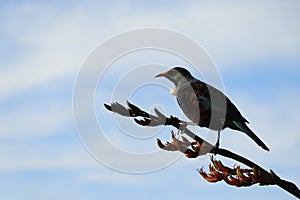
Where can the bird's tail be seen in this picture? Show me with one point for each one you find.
(244, 128)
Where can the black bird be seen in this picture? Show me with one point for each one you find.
(205, 105)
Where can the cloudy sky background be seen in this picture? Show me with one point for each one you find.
(255, 46)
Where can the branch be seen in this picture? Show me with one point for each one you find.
(235, 176)
(218, 172)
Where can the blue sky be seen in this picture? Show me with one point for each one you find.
(255, 46)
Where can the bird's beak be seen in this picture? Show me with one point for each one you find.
(164, 74)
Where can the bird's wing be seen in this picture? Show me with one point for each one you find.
(213, 100)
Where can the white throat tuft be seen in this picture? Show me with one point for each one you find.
(173, 91)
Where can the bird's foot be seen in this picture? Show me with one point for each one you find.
(216, 148)
(217, 144)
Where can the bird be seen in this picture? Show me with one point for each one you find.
(206, 106)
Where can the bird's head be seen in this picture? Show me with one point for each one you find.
(177, 75)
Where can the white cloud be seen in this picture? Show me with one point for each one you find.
(41, 156)
(52, 45)
(34, 119)
(243, 31)
(231, 32)
(54, 42)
